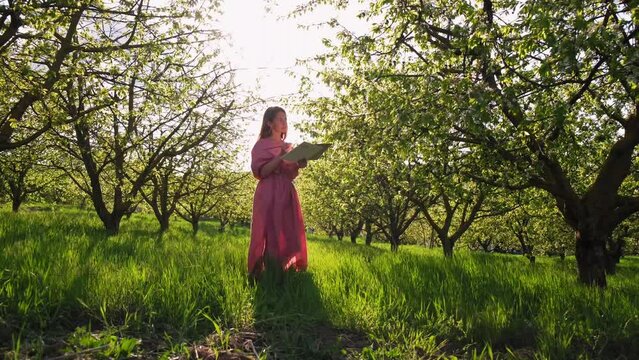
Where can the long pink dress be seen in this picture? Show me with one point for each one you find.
(277, 228)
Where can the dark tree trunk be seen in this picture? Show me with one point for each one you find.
(164, 223)
(591, 257)
(340, 235)
(469, 208)
(369, 232)
(193, 217)
(195, 224)
(369, 239)
(162, 215)
(448, 247)
(112, 223)
(111, 220)
(394, 243)
(356, 231)
(17, 195)
(16, 201)
(526, 249)
(614, 254)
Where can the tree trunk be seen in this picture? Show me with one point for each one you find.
(164, 223)
(614, 254)
(591, 257)
(394, 244)
(161, 215)
(17, 193)
(369, 232)
(340, 235)
(195, 224)
(16, 201)
(356, 231)
(526, 249)
(448, 247)
(112, 223)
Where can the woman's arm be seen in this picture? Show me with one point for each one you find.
(270, 166)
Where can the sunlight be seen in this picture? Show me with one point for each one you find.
(265, 46)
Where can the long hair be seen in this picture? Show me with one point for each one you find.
(269, 116)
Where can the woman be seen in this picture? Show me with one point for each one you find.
(277, 228)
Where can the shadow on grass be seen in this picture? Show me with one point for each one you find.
(292, 320)
(463, 307)
(467, 306)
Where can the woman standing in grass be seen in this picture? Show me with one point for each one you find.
(277, 228)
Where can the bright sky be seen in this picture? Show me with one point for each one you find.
(264, 45)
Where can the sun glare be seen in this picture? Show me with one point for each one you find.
(264, 45)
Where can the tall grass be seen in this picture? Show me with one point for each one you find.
(61, 277)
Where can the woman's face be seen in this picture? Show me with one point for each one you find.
(279, 123)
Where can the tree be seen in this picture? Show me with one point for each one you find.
(544, 96)
(383, 163)
(155, 103)
(331, 197)
(171, 180)
(367, 185)
(392, 212)
(528, 225)
(456, 214)
(39, 39)
(23, 173)
(33, 51)
(627, 234)
(214, 187)
(167, 186)
(235, 200)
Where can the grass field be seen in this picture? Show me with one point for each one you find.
(68, 291)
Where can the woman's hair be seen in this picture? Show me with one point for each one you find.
(269, 116)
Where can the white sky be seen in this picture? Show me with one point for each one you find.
(264, 45)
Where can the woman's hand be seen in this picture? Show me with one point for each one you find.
(302, 163)
(286, 147)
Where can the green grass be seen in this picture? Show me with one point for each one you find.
(67, 288)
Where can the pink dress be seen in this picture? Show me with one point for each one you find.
(277, 228)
